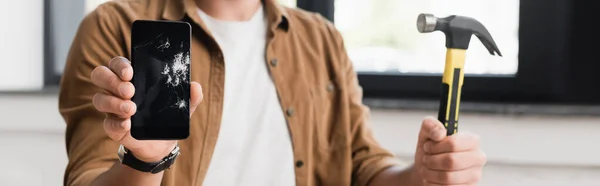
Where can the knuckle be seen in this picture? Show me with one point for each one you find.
(451, 161)
(119, 124)
(111, 63)
(427, 161)
(483, 157)
(114, 103)
(129, 90)
(129, 84)
(98, 101)
(126, 124)
(113, 82)
(93, 74)
(115, 62)
(425, 122)
(108, 125)
(113, 125)
(452, 145)
(131, 109)
(96, 73)
(95, 100)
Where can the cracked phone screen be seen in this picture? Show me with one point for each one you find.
(161, 63)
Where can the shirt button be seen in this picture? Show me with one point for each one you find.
(274, 62)
(290, 112)
(330, 87)
(299, 163)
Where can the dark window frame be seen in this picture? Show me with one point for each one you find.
(51, 78)
(556, 65)
(549, 69)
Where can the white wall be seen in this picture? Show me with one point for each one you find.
(522, 150)
(515, 140)
(21, 45)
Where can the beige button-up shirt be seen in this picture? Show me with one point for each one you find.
(316, 83)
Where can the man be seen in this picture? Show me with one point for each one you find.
(280, 105)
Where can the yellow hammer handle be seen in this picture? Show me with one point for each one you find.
(452, 82)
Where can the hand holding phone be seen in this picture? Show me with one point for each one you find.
(114, 99)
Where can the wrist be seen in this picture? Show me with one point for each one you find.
(414, 176)
(149, 159)
(149, 164)
(398, 176)
(152, 156)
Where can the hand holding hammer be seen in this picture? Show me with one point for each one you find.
(458, 31)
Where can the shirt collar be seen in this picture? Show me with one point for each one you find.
(176, 10)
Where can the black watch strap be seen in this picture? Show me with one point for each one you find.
(153, 167)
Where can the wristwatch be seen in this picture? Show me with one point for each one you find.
(127, 158)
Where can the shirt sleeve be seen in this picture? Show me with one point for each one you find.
(368, 156)
(89, 149)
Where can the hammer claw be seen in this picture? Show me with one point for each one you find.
(487, 41)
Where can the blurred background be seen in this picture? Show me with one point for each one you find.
(537, 108)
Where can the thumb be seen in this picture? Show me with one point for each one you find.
(431, 129)
(196, 96)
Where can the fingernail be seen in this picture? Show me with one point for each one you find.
(125, 107)
(123, 72)
(426, 147)
(124, 90)
(439, 133)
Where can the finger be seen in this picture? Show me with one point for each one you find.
(122, 67)
(454, 161)
(463, 177)
(116, 128)
(111, 104)
(431, 129)
(129, 142)
(108, 80)
(459, 142)
(196, 96)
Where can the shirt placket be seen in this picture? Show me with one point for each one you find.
(214, 98)
(217, 81)
(275, 65)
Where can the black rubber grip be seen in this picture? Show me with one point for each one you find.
(451, 123)
(443, 104)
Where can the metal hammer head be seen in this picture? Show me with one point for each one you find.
(458, 31)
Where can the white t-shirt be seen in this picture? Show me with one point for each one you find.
(254, 146)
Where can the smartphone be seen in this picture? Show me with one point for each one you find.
(160, 57)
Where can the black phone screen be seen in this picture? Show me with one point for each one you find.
(160, 57)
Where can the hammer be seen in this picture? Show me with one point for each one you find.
(458, 31)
